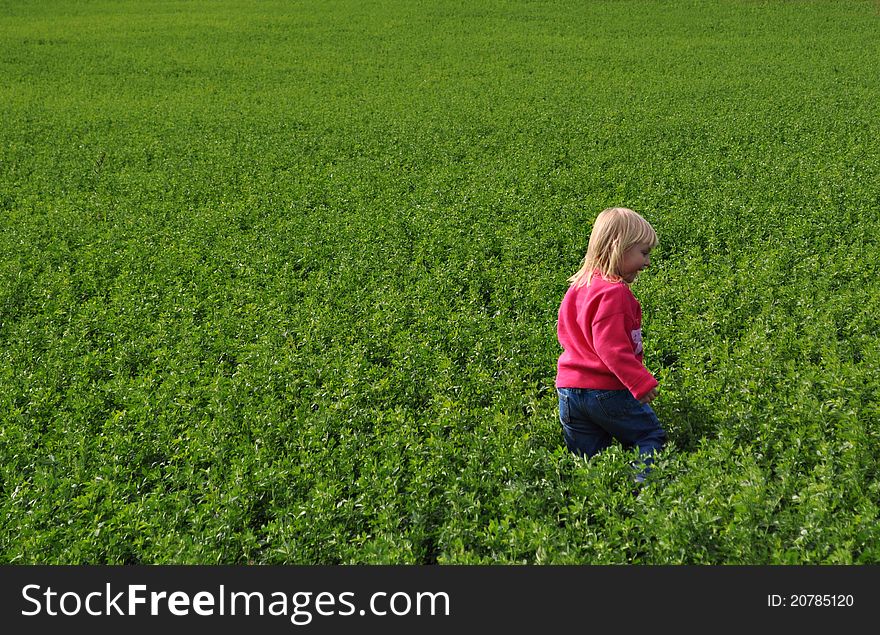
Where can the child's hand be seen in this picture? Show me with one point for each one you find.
(650, 396)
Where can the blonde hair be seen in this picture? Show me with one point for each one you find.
(615, 230)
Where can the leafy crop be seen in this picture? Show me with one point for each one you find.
(279, 280)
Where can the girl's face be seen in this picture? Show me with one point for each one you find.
(634, 259)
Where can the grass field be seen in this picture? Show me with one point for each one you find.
(279, 279)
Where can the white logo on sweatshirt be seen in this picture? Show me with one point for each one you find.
(637, 340)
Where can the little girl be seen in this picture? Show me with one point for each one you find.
(604, 388)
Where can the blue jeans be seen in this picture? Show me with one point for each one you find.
(592, 419)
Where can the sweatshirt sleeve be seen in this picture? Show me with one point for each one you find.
(612, 340)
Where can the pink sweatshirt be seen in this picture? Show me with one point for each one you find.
(600, 330)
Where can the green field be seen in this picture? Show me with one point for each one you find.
(279, 279)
